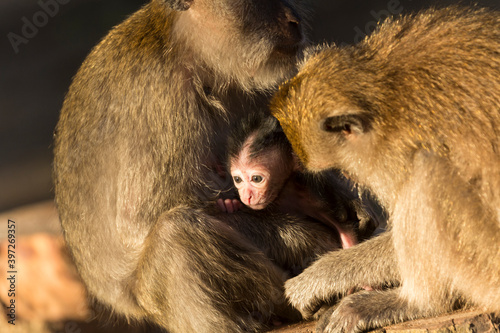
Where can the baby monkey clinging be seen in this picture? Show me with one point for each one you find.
(266, 172)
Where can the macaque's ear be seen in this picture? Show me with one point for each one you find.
(350, 125)
(179, 5)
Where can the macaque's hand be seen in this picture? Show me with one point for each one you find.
(229, 205)
(302, 295)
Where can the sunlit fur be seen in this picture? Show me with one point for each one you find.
(209, 31)
(138, 154)
(413, 114)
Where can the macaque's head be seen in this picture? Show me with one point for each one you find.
(368, 109)
(260, 178)
(254, 42)
(260, 161)
(328, 110)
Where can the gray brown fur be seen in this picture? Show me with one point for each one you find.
(413, 114)
(141, 135)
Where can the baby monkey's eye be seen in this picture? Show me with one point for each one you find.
(237, 179)
(257, 179)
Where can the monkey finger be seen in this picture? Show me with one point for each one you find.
(323, 310)
(221, 205)
(229, 206)
(237, 205)
(322, 316)
(329, 322)
(308, 310)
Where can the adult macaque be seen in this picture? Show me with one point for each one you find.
(138, 150)
(411, 113)
(266, 172)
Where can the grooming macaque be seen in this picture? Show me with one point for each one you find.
(413, 114)
(265, 171)
(138, 150)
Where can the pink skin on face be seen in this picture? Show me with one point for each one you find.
(252, 182)
(252, 178)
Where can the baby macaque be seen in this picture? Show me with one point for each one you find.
(266, 172)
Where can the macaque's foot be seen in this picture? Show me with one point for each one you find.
(364, 311)
(229, 205)
(345, 318)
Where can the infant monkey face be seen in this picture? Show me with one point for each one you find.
(255, 183)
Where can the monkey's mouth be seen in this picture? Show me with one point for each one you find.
(258, 205)
(287, 50)
(290, 45)
(291, 39)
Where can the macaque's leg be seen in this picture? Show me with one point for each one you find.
(229, 269)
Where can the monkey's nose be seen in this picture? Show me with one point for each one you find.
(294, 26)
(291, 18)
(291, 36)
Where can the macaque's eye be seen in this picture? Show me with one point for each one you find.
(348, 124)
(336, 125)
(257, 179)
(237, 179)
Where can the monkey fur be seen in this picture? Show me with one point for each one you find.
(138, 149)
(413, 114)
(267, 174)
